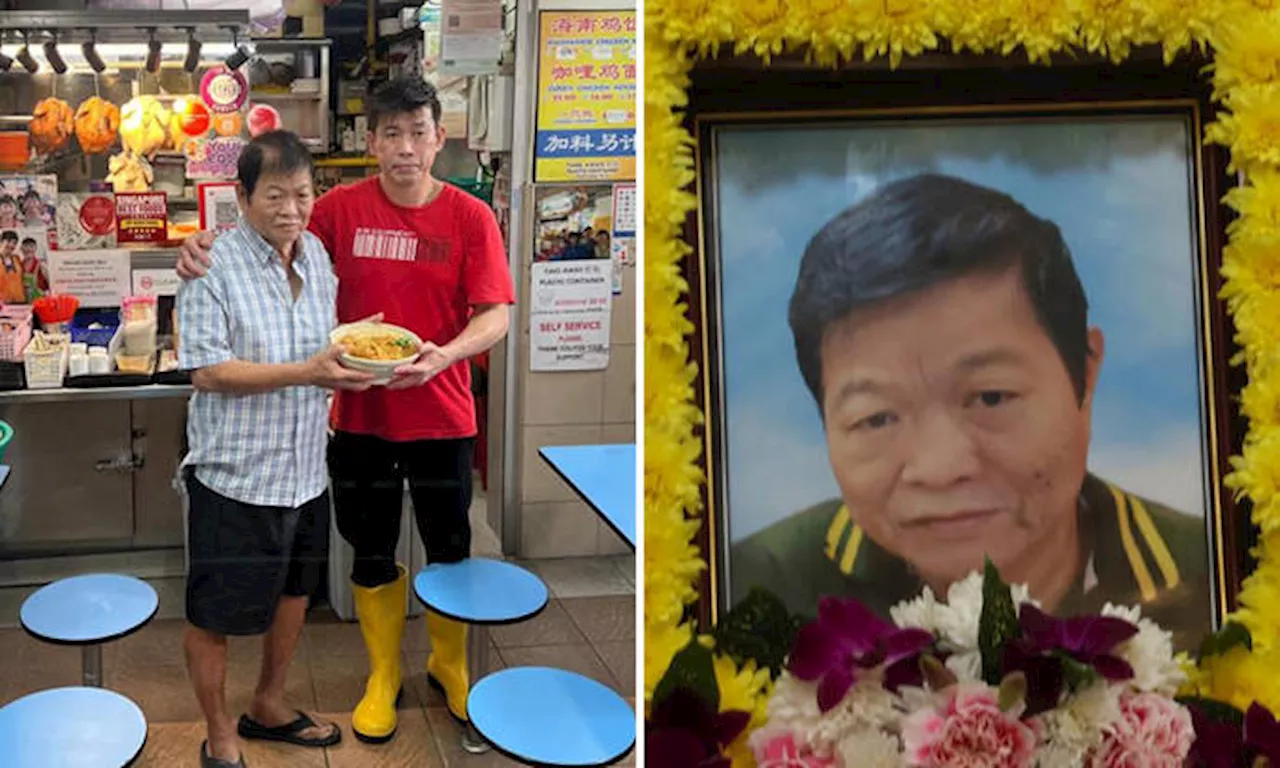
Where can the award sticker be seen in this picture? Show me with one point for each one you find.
(224, 90)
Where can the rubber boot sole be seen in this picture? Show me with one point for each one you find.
(382, 739)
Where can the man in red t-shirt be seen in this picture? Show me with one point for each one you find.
(431, 259)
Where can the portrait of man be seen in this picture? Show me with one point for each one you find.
(945, 339)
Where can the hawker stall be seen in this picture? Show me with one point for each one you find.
(119, 136)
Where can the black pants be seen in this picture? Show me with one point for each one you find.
(368, 476)
(244, 557)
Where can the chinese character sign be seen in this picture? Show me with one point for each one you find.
(586, 97)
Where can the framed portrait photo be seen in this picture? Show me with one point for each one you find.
(937, 334)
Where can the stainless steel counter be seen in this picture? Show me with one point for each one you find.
(80, 395)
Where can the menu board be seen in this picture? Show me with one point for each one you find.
(586, 128)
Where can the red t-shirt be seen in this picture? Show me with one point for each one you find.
(425, 268)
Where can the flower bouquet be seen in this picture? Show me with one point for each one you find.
(988, 680)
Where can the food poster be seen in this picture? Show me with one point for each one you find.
(586, 126)
(570, 316)
(24, 264)
(28, 201)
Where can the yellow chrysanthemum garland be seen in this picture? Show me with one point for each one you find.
(1245, 38)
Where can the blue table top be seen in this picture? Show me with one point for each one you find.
(603, 475)
(481, 590)
(552, 717)
(89, 609)
(71, 728)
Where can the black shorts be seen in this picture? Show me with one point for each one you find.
(244, 557)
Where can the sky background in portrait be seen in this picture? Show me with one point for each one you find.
(1120, 191)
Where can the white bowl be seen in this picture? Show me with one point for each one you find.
(382, 369)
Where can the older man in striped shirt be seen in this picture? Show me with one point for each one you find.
(255, 333)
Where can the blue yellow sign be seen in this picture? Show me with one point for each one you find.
(586, 97)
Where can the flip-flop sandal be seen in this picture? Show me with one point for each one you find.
(288, 733)
(208, 761)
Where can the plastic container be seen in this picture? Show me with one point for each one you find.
(46, 369)
(81, 333)
(15, 331)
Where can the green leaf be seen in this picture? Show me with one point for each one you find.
(998, 623)
(692, 668)
(759, 629)
(1075, 674)
(1216, 711)
(1231, 634)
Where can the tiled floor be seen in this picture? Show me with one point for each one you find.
(589, 627)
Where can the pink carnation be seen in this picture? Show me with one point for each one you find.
(1153, 732)
(970, 731)
(778, 748)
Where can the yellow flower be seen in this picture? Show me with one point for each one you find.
(1111, 27)
(1251, 129)
(1247, 53)
(975, 25)
(1041, 27)
(896, 27)
(661, 644)
(1180, 24)
(744, 689)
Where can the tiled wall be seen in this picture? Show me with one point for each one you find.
(573, 408)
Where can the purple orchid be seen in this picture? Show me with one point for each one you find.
(1087, 639)
(684, 730)
(846, 637)
(1218, 744)
(1037, 653)
(1262, 733)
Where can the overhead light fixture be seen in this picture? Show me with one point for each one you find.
(241, 55)
(89, 49)
(192, 61)
(154, 49)
(24, 56)
(52, 56)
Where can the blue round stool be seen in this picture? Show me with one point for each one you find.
(87, 611)
(72, 728)
(481, 592)
(545, 716)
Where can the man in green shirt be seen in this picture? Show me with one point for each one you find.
(943, 331)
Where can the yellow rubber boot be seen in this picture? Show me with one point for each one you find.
(381, 611)
(447, 664)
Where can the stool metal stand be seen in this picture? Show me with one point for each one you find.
(480, 592)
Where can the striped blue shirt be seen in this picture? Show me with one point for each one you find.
(265, 449)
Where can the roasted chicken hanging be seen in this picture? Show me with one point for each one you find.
(51, 127)
(144, 126)
(97, 121)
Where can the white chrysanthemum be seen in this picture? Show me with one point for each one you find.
(867, 706)
(1149, 652)
(1076, 726)
(957, 621)
(870, 749)
(794, 704)
(966, 665)
(920, 613)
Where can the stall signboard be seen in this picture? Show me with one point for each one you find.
(142, 217)
(570, 315)
(215, 158)
(99, 278)
(624, 210)
(586, 127)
